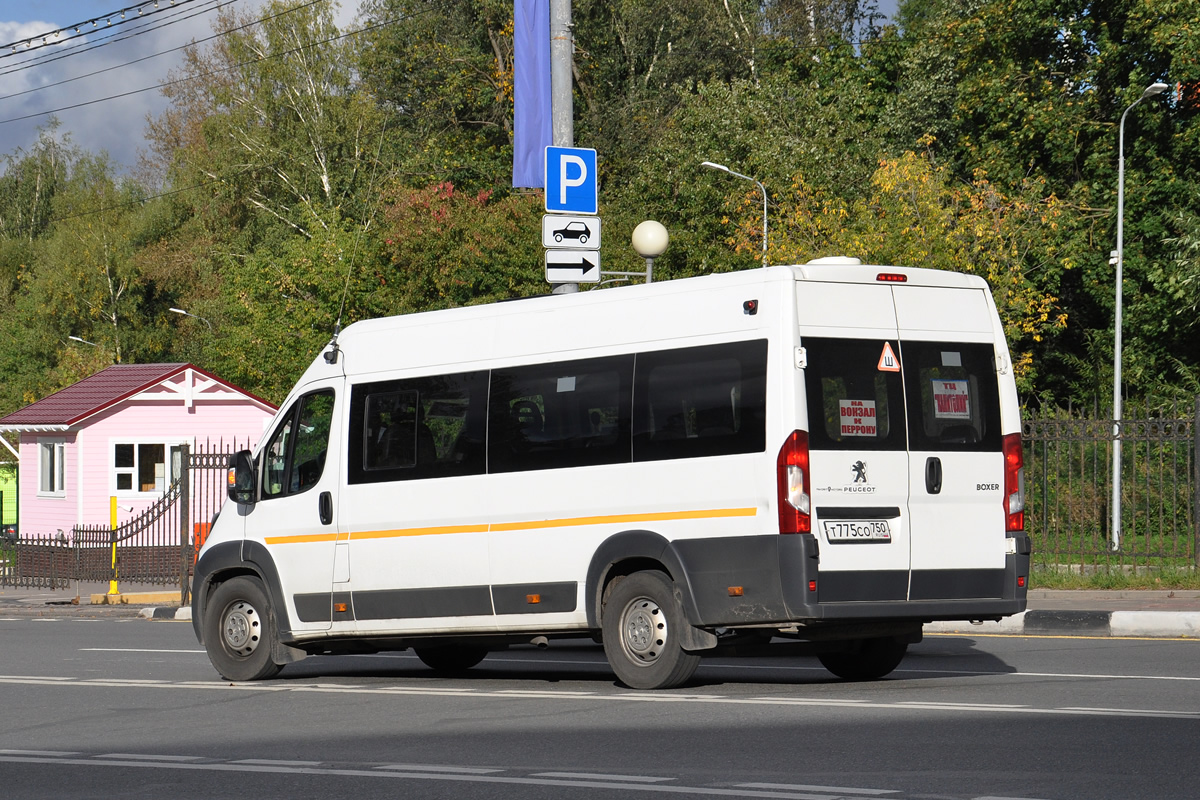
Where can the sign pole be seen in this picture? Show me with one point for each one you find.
(562, 46)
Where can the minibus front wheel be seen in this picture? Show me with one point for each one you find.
(642, 624)
(239, 630)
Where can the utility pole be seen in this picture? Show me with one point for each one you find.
(562, 51)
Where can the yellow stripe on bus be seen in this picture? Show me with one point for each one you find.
(610, 519)
(655, 516)
(434, 531)
(302, 539)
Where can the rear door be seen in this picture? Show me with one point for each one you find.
(956, 465)
(860, 469)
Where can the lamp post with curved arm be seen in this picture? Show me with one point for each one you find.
(1151, 90)
(763, 189)
(193, 316)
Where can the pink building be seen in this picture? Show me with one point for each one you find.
(118, 434)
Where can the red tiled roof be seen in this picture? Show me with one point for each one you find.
(96, 393)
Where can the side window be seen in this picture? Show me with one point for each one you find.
(953, 398)
(564, 414)
(295, 454)
(854, 392)
(52, 467)
(417, 428)
(700, 401)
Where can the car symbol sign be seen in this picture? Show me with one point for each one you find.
(560, 231)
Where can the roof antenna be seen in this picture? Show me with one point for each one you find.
(331, 354)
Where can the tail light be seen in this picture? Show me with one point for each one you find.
(795, 506)
(1014, 483)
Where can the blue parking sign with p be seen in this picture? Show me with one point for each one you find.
(571, 180)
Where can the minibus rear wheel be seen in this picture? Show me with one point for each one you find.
(874, 659)
(641, 623)
(451, 657)
(239, 630)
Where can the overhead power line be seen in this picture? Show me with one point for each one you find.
(90, 46)
(121, 16)
(185, 79)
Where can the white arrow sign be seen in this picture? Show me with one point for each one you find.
(573, 266)
(570, 232)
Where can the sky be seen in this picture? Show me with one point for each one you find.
(102, 85)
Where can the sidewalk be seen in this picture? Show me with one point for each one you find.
(84, 599)
(1152, 613)
(1160, 613)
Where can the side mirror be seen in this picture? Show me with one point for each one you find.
(240, 480)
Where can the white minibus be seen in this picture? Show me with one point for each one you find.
(827, 454)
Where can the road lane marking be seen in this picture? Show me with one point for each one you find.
(133, 650)
(441, 768)
(615, 697)
(145, 762)
(837, 790)
(276, 762)
(602, 777)
(150, 757)
(38, 753)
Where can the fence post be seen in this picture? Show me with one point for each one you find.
(112, 522)
(1196, 485)
(185, 516)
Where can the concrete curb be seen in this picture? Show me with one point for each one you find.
(166, 613)
(1157, 624)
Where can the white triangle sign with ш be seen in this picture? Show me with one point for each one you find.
(887, 360)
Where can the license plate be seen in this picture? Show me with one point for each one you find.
(857, 530)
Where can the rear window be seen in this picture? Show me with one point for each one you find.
(855, 396)
(953, 398)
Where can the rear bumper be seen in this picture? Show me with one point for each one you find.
(781, 583)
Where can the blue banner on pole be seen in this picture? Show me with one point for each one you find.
(532, 131)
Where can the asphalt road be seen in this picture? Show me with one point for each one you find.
(131, 708)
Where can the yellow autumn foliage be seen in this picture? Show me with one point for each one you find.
(916, 215)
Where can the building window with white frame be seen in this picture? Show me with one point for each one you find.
(52, 468)
(142, 467)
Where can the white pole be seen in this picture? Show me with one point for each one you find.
(1152, 89)
(562, 114)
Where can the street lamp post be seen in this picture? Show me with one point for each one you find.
(1151, 90)
(763, 189)
(193, 316)
(650, 240)
(82, 341)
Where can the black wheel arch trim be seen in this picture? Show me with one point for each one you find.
(235, 558)
(634, 545)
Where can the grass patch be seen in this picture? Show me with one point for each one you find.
(1114, 579)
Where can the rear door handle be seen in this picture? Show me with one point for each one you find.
(325, 503)
(933, 475)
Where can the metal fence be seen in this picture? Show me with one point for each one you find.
(156, 547)
(1068, 474)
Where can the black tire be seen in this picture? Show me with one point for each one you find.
(874, 659)
(641, 623)
(583, 239)
(558, 237)
(239, 631)
(451, 657)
